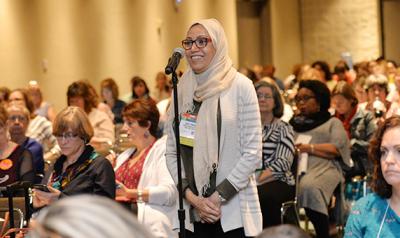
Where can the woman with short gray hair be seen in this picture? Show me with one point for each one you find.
(87, 216)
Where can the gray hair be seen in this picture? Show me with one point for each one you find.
(283, 231)
(88, 216)
(378, 79)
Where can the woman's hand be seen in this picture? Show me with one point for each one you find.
(265, 176)
(303, 148)
(41, 199)
(209, 209)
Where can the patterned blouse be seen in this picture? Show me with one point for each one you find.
(367, 217)
(278, 150)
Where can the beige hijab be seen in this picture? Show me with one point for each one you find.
(207, 87)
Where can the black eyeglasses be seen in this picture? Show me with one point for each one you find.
(304, 99)
(200, 42)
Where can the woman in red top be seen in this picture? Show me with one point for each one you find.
(141, 171)
(359, 125)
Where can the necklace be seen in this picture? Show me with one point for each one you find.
(383, 219)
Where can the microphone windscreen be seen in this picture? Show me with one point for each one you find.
(179, 50)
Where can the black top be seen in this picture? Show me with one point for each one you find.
(117, 111)
(97, 178)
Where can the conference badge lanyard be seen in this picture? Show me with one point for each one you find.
(187, 127)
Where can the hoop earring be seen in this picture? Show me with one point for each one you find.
(146, 134)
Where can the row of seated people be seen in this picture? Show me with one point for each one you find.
(134, 177)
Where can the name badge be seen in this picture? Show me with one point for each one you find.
(187, 129)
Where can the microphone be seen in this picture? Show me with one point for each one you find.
(378, 107)
(173, 61)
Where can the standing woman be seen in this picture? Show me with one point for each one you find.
(276, 182)
(221, 105)
(378, 214)
(328, 145)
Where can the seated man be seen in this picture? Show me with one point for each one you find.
(18, 121)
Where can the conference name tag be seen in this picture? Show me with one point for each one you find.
(187, 129)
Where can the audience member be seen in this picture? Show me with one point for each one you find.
(377, 214)
(325, 73)
(79, 95)
(141, 171)
(376, 86)
(220, 160)
(359, 88)
(139, 90)
(86, 216)
(16, 162)
(358, 123)
(276, 182)
(283, 231)
(328, 144)
(41, 107)
(163, 87)
(109, 93)
(269, 71)
(4, 96)
(39, 128)
(80, 169)
(17, 123)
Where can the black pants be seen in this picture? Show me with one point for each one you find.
(271, 196)
(320, 222)
(205, 230)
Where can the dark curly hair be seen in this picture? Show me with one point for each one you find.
(145, 112)
(324, 66)
(379, 184)
(321, 91)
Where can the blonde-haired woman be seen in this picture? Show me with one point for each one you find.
(79, 169)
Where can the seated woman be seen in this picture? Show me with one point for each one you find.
(358, 123)
(328, 144)
(109, 92)
(276, 182)
(39, 128)
(79, 94)
(18, 121)
(139, 90)
(41, 107)
(378, 214)
(16, 162)
(142, 171)
(80, 169)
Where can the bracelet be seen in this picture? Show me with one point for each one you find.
(139, 196)
(312, 148)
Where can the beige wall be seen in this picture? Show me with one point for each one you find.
(58, 42)
(391, 10)
(331, 27)
(286, 44)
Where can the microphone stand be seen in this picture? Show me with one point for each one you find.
(181, 211)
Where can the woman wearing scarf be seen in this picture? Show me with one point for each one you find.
(219, 107)
(79, 170)
(328, 145)
(359, 125)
